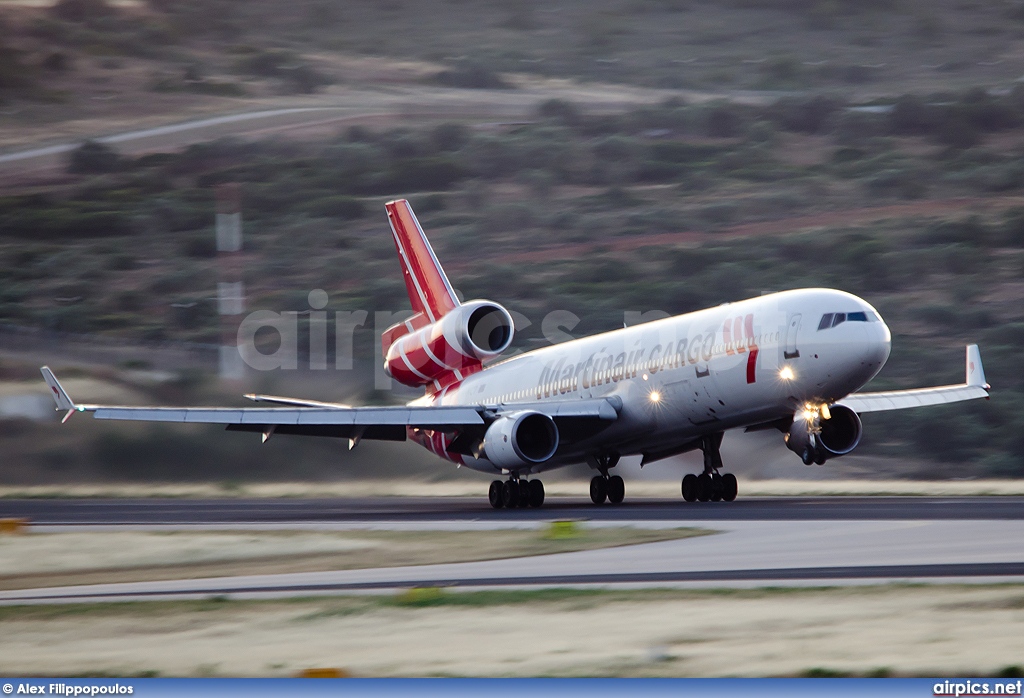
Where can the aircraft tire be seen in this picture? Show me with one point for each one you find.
(524, 494)
(716, 488)
(598, 489)
(616, 489)
(729, 487)
(704, 487)
(494, 494)
(690, 488)
(536, 493)
(510, 494)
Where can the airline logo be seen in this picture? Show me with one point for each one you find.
(734, 332)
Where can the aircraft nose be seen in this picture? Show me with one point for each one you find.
(879, 342)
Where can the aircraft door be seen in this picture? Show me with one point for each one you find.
(792, 328)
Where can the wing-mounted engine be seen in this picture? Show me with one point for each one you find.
(520, 439)
(822, 432)
(452, 347)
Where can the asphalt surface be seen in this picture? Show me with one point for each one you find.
(433, 509)
(743, 553)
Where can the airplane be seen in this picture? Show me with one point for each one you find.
(790, 361)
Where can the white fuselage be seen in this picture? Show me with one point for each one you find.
(735, 365)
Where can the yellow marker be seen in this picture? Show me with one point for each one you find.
(323, 673)
(13, 525)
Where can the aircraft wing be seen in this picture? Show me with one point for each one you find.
(973, 388)
(312, 418)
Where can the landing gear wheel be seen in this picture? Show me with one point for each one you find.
(524, 494)
(704, 487)
(494, 494)
(598, 489)
(729, 487)
(510, 494)
(536, 493)
(616, 489)
(807, 456)
(690, 488)
(716, 488)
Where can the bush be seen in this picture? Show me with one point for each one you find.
(912, 116)
(200, 246)
(472, 76)
(560, 110)
(969, 231)
(13, 75)
(805, 115)
(57, 62)
(338, 207)
(93, 157)
(449, 136)
(81, 11)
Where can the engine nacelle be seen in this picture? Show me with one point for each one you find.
(816, 439)
(460, 341)
(520, 439)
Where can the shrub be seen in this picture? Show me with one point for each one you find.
(13, 75)
(912, 116)
(338, 207)
(93, 157)
(81, 10)
(805, 115)
(57, 62)
(472, 76)
(449, 136)
(560, 110)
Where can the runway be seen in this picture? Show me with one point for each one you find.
(774, 541)
(426, 510)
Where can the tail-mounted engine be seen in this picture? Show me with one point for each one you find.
(820, 432)
(460, 341)
(520, 439)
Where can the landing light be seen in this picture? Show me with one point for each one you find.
(787, 374)
(654, 396)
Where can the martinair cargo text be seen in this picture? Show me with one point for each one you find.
(790, 361)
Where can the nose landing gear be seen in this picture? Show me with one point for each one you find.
(710, 485)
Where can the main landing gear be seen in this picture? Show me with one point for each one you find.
(710, 486)
(603, 486)
(515, 493)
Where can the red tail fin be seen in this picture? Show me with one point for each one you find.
(425, 280)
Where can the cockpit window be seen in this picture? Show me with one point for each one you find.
(832, 319)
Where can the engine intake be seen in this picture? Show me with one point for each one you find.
(520, 439)
(816, 439)
(460, 341)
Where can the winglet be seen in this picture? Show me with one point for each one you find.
(975, 371)
(60, 396)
